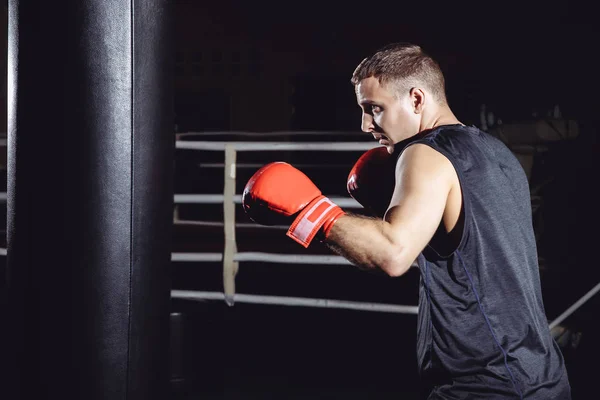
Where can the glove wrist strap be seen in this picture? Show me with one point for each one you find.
(319, 213)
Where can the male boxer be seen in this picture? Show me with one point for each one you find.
(459, 207)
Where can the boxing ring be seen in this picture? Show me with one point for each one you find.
(231, 258)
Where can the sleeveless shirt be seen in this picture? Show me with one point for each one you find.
(482, 330)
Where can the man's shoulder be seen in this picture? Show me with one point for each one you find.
(458, 136)
(456, 130)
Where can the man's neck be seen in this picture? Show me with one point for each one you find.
(442, 116)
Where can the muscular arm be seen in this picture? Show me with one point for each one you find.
(424, 179)
(352, 232)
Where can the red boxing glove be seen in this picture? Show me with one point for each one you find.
(372, 179)
(278, 193)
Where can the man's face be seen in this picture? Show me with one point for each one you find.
(389, 118)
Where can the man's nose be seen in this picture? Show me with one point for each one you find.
(367, 123)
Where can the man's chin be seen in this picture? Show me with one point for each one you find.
(390, 148)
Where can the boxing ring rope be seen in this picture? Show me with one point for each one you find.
(297, 302)
(275, 146)
(231, 257)
(237, 199)
(263, 257)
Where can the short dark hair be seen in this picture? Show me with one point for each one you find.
(404, 66)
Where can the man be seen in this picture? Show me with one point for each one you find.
(459, 208)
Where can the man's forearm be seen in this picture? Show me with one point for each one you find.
(367, 243)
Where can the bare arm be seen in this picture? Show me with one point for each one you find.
(354, 231)
(424, 178)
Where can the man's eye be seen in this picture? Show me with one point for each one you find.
(376, 109)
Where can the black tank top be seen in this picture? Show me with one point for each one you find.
(482, 327)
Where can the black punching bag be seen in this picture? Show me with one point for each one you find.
(90, 154)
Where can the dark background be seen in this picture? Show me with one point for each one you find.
(262, 67)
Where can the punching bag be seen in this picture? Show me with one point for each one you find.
(90, 154)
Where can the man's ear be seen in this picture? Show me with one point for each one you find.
(417, 100)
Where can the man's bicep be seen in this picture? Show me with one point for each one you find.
(423, 182)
